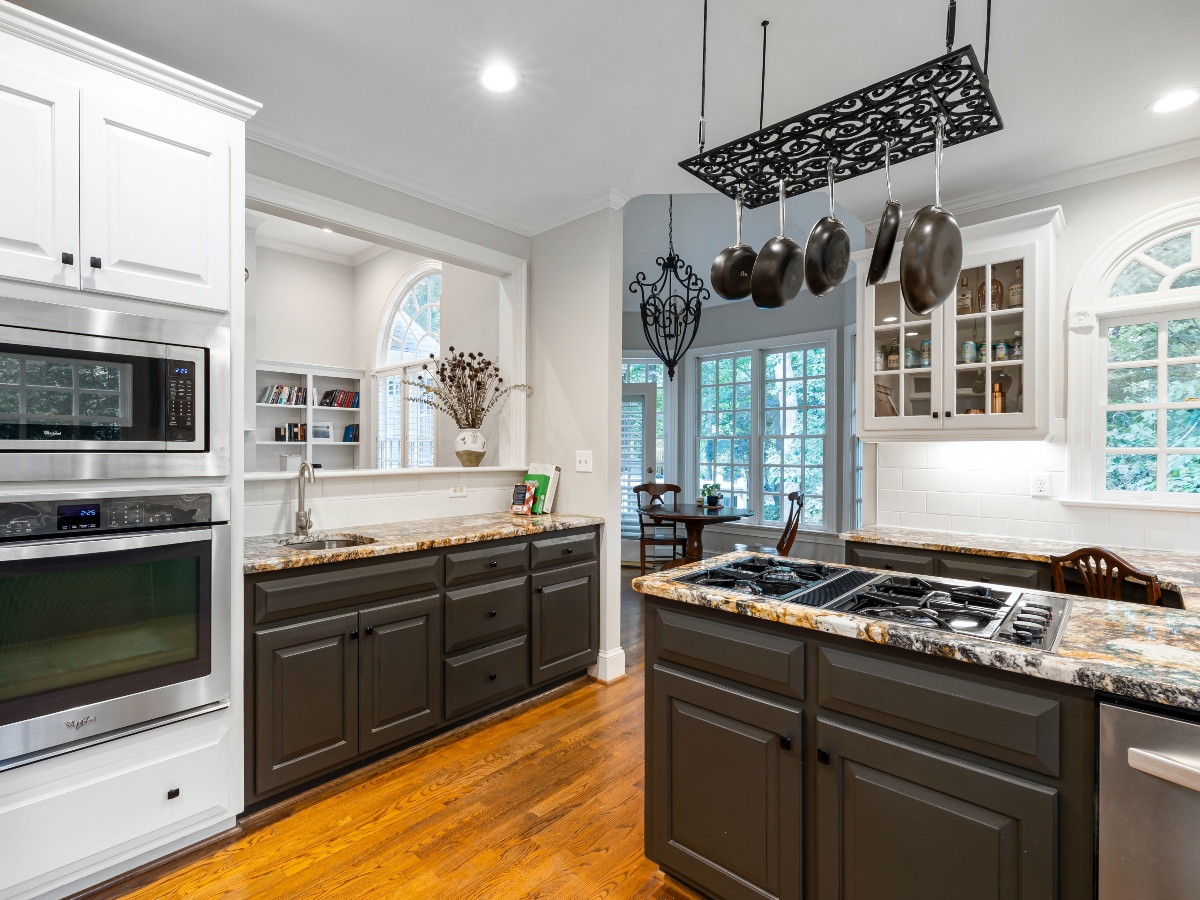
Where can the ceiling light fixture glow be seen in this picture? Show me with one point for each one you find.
(1175, 100)
(327, 230)
(498, 77)
(890, 319)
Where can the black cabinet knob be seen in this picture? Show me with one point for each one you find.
(492, 613)
(68, 259)
(785, 742)
(934, 415)
(493, 564)
(570, 550)
(172, 793)
(984, 578)
(354, 634)
(949, 413)
(823, 757)
(539, 590)
(492, 677)
(370, 629)
(95, 262)
(888, 566)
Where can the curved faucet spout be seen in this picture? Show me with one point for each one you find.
(308, 475)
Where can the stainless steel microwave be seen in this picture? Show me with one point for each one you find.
(63, 392)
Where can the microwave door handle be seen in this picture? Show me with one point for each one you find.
(100, 543)
(1165, 767)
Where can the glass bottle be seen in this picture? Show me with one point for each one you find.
(880, 358)
(893, 359)
(1016, 350)
(1016, 291)
(963, 304)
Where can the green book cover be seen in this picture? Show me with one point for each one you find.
(543, 485)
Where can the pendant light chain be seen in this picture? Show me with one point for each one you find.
(762, 89)
(671, 224)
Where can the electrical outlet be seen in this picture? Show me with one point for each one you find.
(583, 460)
(459, 490)
(1039, 484)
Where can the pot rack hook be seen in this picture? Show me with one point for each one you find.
(704, 70)
(950, 15)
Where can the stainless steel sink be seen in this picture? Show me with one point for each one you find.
(328, 543)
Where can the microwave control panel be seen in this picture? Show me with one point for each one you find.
(181, 400)
(65, 517)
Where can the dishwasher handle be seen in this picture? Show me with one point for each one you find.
(1165, 767)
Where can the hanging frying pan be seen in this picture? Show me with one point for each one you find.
(779, 269)
(889, 227)
(731, 270)
(827, 255)
(933, 249)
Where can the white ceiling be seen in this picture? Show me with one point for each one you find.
(610, 91)
(275, 233)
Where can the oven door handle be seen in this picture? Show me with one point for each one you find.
(103, 543)
(1165, 767)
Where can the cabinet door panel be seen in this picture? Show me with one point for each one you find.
(154, 205)
(306, 693)
(726, 804)
(566, 621)
(896, 821)
(39, 177)
(400, 684)
(873, 557)
(486, 676)
(973, 568)
(486, 612)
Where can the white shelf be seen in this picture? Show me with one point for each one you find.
(335, 443)
(280, 443)
(341, 409)
(315, 380)
(281, 405)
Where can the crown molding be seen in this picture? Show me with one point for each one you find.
(303, 250)
(607, 199)
(63, 39)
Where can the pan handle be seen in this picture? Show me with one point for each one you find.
(829, 172)
(937, 163)
(782, 207)
(737, 205)
(887, 166)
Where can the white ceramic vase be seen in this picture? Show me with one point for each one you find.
(469, 447)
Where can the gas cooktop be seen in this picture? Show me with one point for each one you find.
(812, 584)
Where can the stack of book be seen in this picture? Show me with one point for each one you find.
(283, 395)
(344, 399)
(291, 432)
(350, 435)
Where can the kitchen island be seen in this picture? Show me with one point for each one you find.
(794, 751)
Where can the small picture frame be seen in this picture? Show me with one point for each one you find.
(322, 431)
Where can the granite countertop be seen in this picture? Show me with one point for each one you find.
(266, 553)
(1176, 571)
(1146, 652)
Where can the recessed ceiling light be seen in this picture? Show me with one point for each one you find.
(1175, 100)
(890, 319)
(327, 230)
(498, 77)
(910, 334)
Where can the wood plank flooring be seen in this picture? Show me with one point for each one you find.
(544, 804)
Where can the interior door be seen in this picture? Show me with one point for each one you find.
(154, 205)
(39, 177)
(638, 462)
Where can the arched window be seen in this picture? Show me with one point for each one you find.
(411, 333)
(1164, 265)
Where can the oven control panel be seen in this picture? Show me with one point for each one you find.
(181, 400)
(74, 516)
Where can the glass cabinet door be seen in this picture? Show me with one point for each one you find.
(904, 353)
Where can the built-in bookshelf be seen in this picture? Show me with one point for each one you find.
(289, 396)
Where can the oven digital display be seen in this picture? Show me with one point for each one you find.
(80, 517)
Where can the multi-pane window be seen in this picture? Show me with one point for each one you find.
(761, 430)
(1151, 417)
(726, 426)
(639, 372)
(406, 434)
(1166, 265)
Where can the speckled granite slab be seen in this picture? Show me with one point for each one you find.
(1176, 571)
(1146, 652)
(265, 554)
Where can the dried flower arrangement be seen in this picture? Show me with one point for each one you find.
(464, 386)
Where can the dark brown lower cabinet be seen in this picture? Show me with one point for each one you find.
(727, 788)
(565, 617)
(306, 709)
(917, 562)
(400, 672)
(896, 821)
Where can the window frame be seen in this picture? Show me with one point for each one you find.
(758, 349)
(670, 423)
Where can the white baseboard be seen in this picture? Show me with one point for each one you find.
(610, 665)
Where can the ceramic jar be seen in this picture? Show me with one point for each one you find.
(469, 447)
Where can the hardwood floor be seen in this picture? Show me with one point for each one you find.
(546, 803)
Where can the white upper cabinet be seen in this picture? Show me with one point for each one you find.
(154, 205)
(39, 177)
(978, 365)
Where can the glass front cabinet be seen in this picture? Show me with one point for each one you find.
(978, 365)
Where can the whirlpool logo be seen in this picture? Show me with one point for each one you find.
(76, 724)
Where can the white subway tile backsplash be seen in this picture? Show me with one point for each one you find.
(902, 501)
(1050, 531)
(1182, 541)
(1148, 518)
(928, 480)
(1011, 507)
(924, 520)
(987, 482)
(904, 456)
(1053, 511)
(888, 518)
(889, 479)
(952, 504)
(1108, 535)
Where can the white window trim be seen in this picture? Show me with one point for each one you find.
(1090, 307)
(670, 429)
(691, 405)
(849, 336)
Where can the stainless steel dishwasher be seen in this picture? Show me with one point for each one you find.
(1149, 806)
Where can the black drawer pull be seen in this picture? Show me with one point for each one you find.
(354, 634)
(570, 550)
(172, 793)
(492, 613)
(95, 262)
(823, 757)
(68, 259)
(888, 566)
(493, 564)
(370, 629)
(539, 590)
(984, 578)
(785, 742)
(492, 677)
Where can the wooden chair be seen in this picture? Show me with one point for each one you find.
(790, 527)
(1103, 574)
(660, 534)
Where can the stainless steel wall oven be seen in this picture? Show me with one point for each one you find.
(114, 616)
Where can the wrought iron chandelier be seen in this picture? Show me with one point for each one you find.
(670, 306)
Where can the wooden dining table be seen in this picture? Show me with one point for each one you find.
(694, 519)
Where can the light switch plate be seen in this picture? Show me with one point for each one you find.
(459, 490)
(1039, 484)
(583, 460)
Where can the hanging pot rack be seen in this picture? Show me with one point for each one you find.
(855, 130)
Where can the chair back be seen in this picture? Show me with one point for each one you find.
(654, 494)
(792, 525)
(1103, 573)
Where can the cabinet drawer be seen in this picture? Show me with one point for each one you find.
(872, 557)
(552, 551)
(1014, 727)
(123, 799)
(482, 677)
(284, 598)
(769, 661)
(991, 571)
(486, 612)
(471, 564)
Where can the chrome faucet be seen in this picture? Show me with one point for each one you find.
(304, 516)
